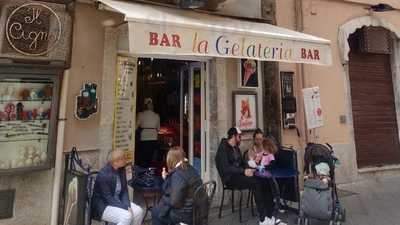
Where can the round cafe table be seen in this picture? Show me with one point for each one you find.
(150, 195)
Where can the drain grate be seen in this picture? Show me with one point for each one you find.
(7, 203)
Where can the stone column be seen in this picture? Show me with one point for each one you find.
(108, 95)
(270, 77)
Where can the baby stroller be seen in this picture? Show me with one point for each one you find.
(320, 199)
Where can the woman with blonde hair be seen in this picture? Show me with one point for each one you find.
(180, 183)
(110, 201)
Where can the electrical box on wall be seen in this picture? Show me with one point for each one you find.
(289, 107)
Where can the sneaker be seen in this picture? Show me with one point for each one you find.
(267, 221)
(276, 221)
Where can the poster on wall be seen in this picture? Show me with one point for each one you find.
(125, 102)
(248, 73)
(312, 106)
(245, 110)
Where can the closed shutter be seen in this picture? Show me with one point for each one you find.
(374, 112)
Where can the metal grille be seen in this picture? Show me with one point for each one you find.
(7, 203)
(376, 40)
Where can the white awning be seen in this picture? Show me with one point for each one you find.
(168, 31)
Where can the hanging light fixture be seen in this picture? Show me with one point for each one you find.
(192, 4)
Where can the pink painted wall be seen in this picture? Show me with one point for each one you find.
(323, 18)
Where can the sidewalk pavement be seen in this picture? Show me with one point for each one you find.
(369, 202)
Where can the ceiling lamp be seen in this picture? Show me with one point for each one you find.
(192, 4)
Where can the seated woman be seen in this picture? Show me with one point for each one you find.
(181, 181)
(110, 201)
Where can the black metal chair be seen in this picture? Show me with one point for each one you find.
(224, 188)
(203, 196)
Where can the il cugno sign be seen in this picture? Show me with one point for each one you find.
(33, 29)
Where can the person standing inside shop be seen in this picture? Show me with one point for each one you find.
(110, 201)
(235, 173)
(148, 125)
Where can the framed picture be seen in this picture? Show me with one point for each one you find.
(248, 73)
(245, 110)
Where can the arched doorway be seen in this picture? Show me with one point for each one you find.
(372, 97)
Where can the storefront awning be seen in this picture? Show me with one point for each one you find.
(168, 31)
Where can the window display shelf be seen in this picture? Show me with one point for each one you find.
(28, 100)
(33, 139)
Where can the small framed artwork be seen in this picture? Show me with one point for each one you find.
(245, 110)
(248, 73)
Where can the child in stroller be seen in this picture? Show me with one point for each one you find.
(319, 199)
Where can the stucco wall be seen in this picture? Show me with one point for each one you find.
(321, 18)
(86, 65)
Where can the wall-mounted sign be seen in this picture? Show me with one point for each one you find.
(313, 109)
(125, 106)
(86, 102)
(33, 29)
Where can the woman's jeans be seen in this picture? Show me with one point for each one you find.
(156, 219)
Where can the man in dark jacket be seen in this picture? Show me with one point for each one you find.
(235, 173)
(110, 201)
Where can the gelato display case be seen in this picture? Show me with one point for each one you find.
(28, 111)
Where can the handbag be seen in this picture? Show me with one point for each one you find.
(144, 177)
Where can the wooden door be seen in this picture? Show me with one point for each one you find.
(374, 112)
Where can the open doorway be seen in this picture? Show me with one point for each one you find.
(170, 111)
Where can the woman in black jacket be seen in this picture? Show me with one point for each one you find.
(181, 181)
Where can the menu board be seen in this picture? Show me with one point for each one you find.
(25, 109)
(312, 105)
(124, 112)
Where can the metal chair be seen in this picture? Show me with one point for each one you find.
(224, 188)
(203, 196)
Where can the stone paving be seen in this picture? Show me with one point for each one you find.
(370, 202)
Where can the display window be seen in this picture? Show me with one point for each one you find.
(26, 124)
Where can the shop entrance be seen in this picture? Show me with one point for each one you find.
(171, 92)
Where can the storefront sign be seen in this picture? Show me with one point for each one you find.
(33, 29)
(312, 105)
(125, 111)
(173, 40)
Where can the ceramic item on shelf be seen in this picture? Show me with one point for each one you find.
(24, 94)
(20, 109)
(36, 160)
(29, 162)
(3, 91)
(47, 92)
(10, 110)
(29, 115)
(34, 114)
(41, 94)
(43, 157)
(3, 116)
(20, 163)
(40, 112)
(10, 93)
(34, 94)
(14, 163)
(3, 165)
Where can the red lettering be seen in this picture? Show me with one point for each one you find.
(316, 55)
(153, 38)
(176, 41)
(303, 53)
(165, 41)
(310, 55)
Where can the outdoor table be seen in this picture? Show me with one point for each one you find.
(148, 194)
